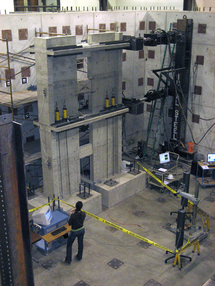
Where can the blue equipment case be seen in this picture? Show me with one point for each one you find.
(59, 218)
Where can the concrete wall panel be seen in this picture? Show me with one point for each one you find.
(158, 17)
(82, 20)
(107, 18)
(15, 23)
(55, 19)
(199, 129)
(124, 17)
(141, 16)
(131, 79)
(105, 81)
(207, 38)
(204, 74)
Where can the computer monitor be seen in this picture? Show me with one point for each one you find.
(164, 158)
(211, 158)
(42, 216)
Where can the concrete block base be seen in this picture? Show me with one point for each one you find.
(92, 204)
(127, 186)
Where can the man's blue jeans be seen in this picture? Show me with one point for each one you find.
(80, 235)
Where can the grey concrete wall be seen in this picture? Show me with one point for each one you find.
(14, 23)
(133, 68)
(105, 73)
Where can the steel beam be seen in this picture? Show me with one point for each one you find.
(87, 120)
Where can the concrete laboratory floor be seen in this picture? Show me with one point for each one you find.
(147, 214)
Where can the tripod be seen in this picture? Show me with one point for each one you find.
(179, 240)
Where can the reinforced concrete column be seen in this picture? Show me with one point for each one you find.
(117, 145)
(114, 147)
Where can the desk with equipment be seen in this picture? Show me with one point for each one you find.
(163, 171)
(53, 228)
(61, 231)
(206, 168)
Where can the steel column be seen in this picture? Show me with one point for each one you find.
(15, 247)
(182, 62)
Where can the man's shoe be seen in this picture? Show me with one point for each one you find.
(76, 258)
(66, 262)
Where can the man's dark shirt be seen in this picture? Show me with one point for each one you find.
(76, 220)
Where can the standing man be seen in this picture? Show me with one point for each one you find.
(76, 220)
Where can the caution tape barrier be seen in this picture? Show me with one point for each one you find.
(123, 229)
(112, 225)
(37, 208)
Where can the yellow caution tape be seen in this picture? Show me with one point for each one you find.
(37, 208)
(188, 244)
(65, 203)
(123, 229)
